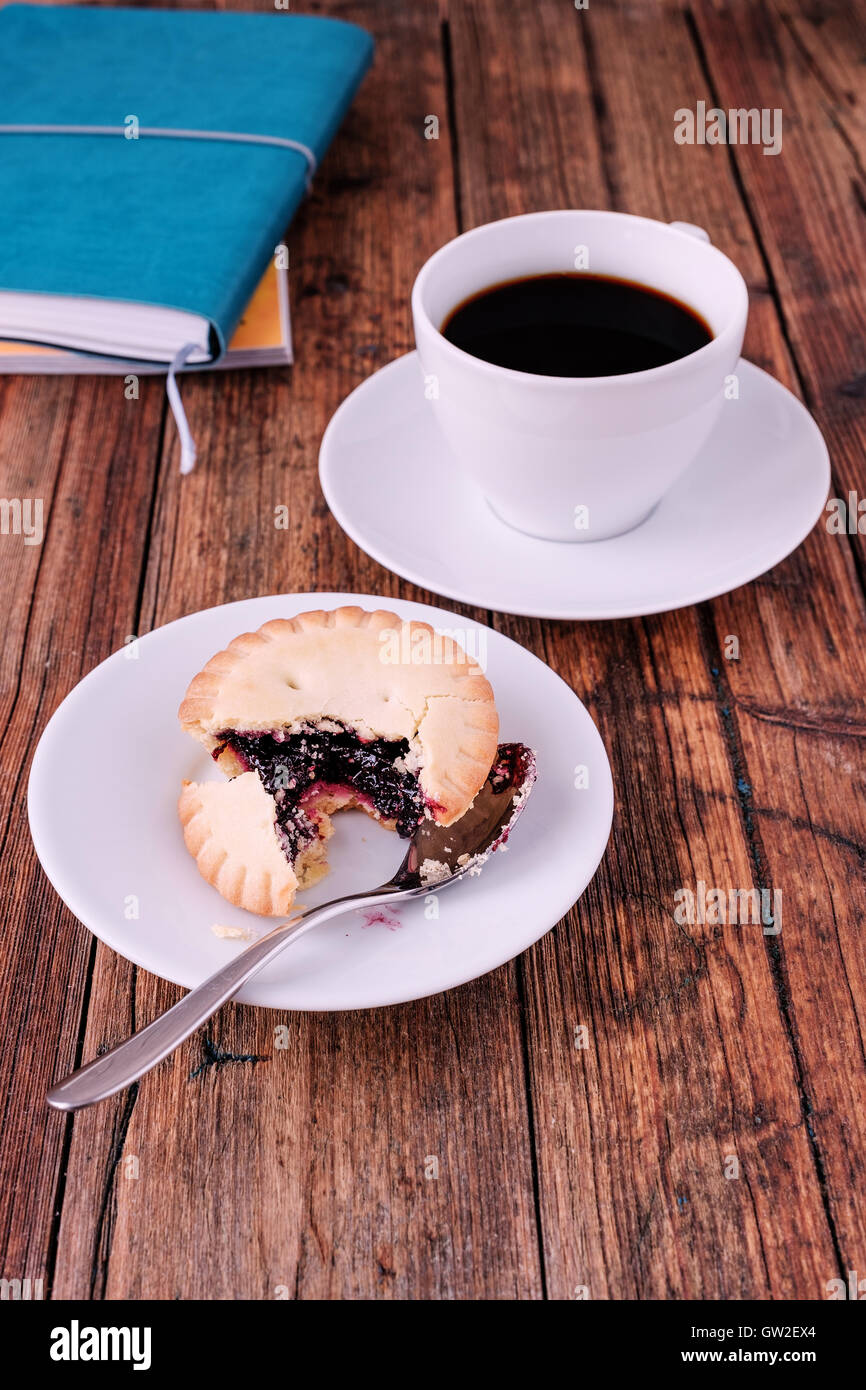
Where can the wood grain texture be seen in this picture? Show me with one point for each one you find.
(240, 1169)
(800, 717)
(721, 1032)
(69, 601)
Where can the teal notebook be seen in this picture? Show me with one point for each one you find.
(150, 238)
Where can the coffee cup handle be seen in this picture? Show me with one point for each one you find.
(691, 229)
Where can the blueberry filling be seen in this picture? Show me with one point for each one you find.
(290, 767)
(514, 762)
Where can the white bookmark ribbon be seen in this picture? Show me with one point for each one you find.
(187, 443)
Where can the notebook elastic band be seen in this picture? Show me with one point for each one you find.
(165, 133)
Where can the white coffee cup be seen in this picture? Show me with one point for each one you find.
(579, 458)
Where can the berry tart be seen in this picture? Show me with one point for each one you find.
(317, 713)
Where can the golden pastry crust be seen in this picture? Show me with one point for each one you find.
(367, 671)
(228, 828)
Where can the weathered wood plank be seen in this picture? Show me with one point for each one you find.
(800, 717)
(691, 1057)
(68, 602)
(305, 1172)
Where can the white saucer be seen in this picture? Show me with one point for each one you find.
(748, 500)
(103, 816)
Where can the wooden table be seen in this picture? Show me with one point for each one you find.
(237, 1171)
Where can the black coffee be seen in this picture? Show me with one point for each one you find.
(575, 325)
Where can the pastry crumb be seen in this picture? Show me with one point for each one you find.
(434, 871)
(231, 933)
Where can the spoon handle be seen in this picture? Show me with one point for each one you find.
(130, 1060)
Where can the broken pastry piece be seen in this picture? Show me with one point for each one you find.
(229, 829)
(314, 714)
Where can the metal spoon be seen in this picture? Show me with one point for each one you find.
(436, 857)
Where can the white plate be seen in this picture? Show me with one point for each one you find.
(749, 499)
(102, 803)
